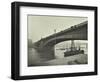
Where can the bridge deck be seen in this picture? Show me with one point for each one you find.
(78, 26)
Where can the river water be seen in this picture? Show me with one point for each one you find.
(34, 55)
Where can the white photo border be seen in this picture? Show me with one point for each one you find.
(42, 70)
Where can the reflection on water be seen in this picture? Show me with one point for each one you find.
(33, 56)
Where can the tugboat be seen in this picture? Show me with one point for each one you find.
(73, 50)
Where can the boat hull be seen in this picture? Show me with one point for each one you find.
(71, 53)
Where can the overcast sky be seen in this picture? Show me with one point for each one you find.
(42, 26)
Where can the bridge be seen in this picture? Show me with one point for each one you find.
(46, 45)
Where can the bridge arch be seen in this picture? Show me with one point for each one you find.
(57, 40)
(77, 32)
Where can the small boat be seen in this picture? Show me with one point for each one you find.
(73, 50)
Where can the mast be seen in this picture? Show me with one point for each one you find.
(72, 45)
(55, 38)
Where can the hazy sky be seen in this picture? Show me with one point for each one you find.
(42, 26)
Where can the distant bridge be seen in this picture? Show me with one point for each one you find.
(76, 32)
